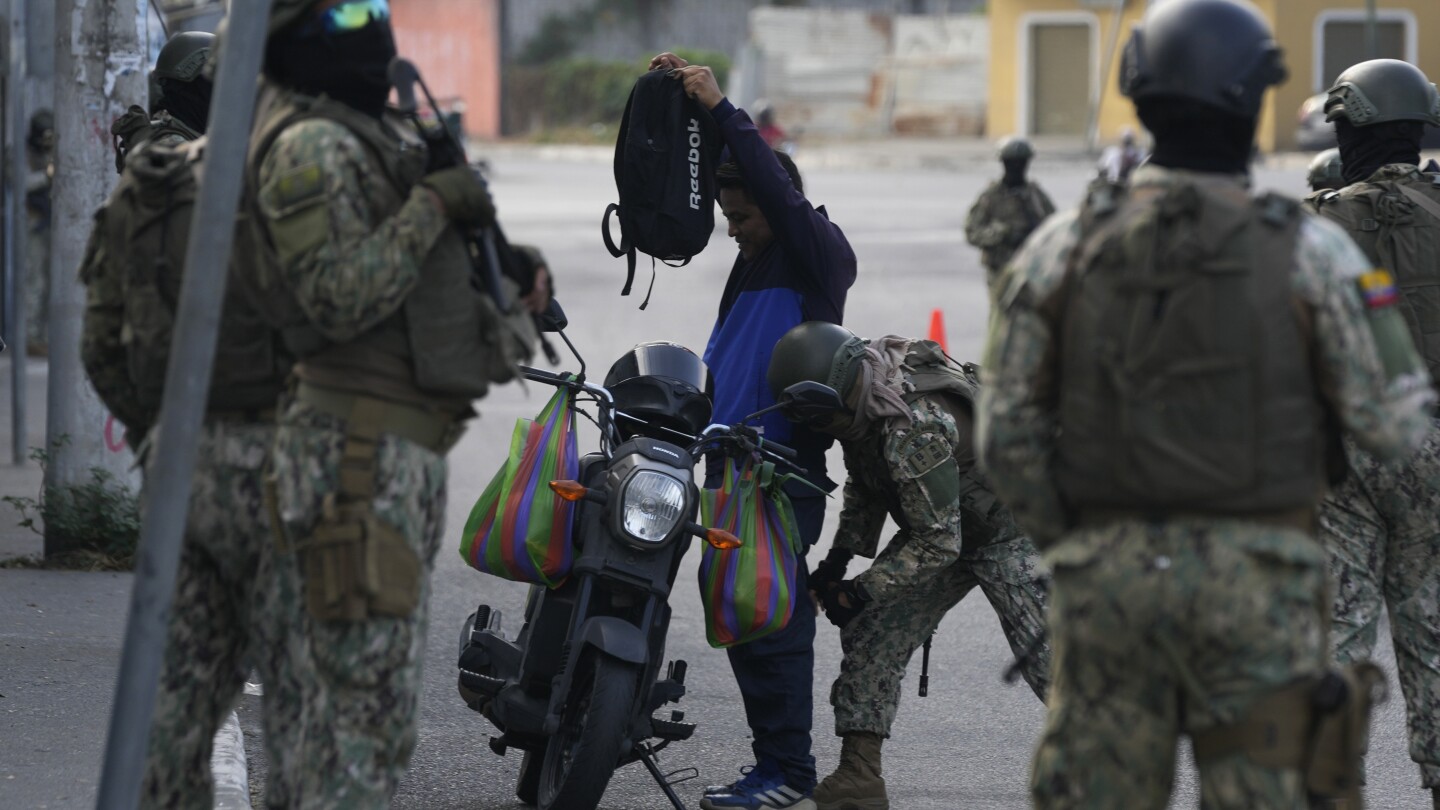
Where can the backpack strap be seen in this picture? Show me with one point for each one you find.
(623, 249)
(1430, 206)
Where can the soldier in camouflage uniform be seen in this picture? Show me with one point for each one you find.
(180, 102)
(356, 251)
(1164, 437)
(40, 155)
(1381, 526)
(1008, 210)
(907, 428)
(217, 617)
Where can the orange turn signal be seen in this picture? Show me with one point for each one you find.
(721, 539)
(568, 490)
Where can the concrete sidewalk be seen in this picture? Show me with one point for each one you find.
(60, 638)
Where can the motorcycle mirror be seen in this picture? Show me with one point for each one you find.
(553, 318)
(811, 395)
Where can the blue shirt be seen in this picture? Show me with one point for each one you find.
(803, 275)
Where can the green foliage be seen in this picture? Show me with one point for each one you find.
(717, 61)
(99, 515)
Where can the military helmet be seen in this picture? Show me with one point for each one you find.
(1217, 52)
(1325, 171)
(1016, 148)
(1383, 90)
(816, 351)
(183, 57)
(285, 12)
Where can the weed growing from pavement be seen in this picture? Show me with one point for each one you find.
(100, 517)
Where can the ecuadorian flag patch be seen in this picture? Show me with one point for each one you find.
(1377, 288)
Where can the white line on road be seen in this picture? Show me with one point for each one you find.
(227, 764)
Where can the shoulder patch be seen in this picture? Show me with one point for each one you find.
(922, 452)
(295, 189)
(1377, 289)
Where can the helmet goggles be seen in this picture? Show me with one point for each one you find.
(351, 15)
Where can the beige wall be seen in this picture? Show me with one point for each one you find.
(456, 45)
(1294, 22)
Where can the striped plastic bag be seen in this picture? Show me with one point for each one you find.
(519, 529)
(749, 591)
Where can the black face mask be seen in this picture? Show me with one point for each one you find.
(349, 67)
(1014, 172)
(187, 101)
(1197, 137)
(1363, 150)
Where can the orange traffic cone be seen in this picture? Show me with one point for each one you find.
(937, 329)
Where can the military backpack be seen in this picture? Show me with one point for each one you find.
(1188, 368)
(1397, 224)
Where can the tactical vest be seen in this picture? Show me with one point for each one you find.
(447, 341)
(1188, 370)
(136, 128)
(932, 374)
(1397, 224)
(142, 233)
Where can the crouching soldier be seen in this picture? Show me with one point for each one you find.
(905, 419)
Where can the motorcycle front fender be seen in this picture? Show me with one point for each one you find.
(616, 638)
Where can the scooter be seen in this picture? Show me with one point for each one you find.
(579, 688)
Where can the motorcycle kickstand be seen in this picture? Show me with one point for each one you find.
(647, 757)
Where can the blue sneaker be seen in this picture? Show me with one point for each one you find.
(762, 787)
(750, 776)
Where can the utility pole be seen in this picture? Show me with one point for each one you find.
(99, 70)
(182, 411)
(17, 223)
(1372, 37)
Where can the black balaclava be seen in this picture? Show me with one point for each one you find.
(187, 101)
(350, 67)
(1363, 150)
(1014, 171)
(1197, 137)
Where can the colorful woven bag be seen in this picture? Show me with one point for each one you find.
(520, 529)
(749, 592)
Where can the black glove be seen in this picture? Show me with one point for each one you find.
(464, 195)
(830, 571)
(440, 151)
(854, 593)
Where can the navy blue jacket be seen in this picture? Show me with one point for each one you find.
(803, 275)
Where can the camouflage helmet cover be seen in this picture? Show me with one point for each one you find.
(183, 57)
(1016, 148)
(1383, 90)
(815, 351)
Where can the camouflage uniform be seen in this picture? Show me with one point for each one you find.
(37, 248)
(1000, 221)
(342, 701)
(1134, 601)
(941, 553)
(1381, 527)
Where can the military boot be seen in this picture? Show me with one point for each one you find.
(856, 784)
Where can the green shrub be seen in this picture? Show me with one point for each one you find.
(98, 516)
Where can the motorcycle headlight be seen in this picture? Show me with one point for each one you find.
(651, 505)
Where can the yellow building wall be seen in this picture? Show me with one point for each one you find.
(1294, 23)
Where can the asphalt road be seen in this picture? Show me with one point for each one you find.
(969, 743)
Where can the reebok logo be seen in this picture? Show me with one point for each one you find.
(694, 130)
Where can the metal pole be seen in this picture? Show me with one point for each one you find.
(100, 69)
(17, 231)
(166, 497)
(1372, 40)
(1092, 131)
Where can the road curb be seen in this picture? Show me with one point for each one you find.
(227, 764)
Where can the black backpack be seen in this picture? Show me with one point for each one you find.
(665, 172)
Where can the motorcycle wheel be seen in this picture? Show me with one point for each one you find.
(584, 752)
(527, 787)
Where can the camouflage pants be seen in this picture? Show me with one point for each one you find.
(1381, 528)
(879, 643)
(215, 621)
(1165, 628)
(343, 698)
